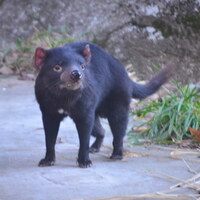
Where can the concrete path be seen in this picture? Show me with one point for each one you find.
(142, 171)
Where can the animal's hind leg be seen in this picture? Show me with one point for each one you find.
(98, 132)
(118, 119)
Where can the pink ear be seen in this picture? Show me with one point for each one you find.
(87, 53)
(40, 55)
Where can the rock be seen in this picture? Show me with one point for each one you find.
(6, 71)
(141, 33)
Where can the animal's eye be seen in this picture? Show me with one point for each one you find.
(83, 66)
(57, 68)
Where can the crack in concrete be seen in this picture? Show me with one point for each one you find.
(51, 181)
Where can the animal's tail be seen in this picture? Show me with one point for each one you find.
(143, 91)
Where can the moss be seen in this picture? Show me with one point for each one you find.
(188, 21)
(165, 28)
(192, 21)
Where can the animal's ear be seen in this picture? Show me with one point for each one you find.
(39, 58)
(87, 53)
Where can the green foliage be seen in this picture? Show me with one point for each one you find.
(165, 28)
(52, 37)
(172, 116)
(19, 57)
(192, 21)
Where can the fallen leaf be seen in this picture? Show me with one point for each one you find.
(140, 130)
(195, 133)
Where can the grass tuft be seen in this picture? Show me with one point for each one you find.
(171, 117)
(19, 57)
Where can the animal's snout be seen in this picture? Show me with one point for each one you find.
(75, 75)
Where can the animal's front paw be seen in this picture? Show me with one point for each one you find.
(84, 163)
(46, 162)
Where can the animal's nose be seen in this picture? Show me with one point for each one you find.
(75, 75)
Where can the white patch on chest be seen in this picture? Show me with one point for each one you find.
(62, 111)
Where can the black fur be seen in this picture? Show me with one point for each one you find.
(102, 89)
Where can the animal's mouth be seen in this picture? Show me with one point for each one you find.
(71, 85)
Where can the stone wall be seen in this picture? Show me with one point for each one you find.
(141, 33)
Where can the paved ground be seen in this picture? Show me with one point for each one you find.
(22, 146)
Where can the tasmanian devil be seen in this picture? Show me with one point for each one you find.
(84, 82)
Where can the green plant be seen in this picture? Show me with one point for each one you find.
(19, 57)
(52, 37)
(172, 116)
